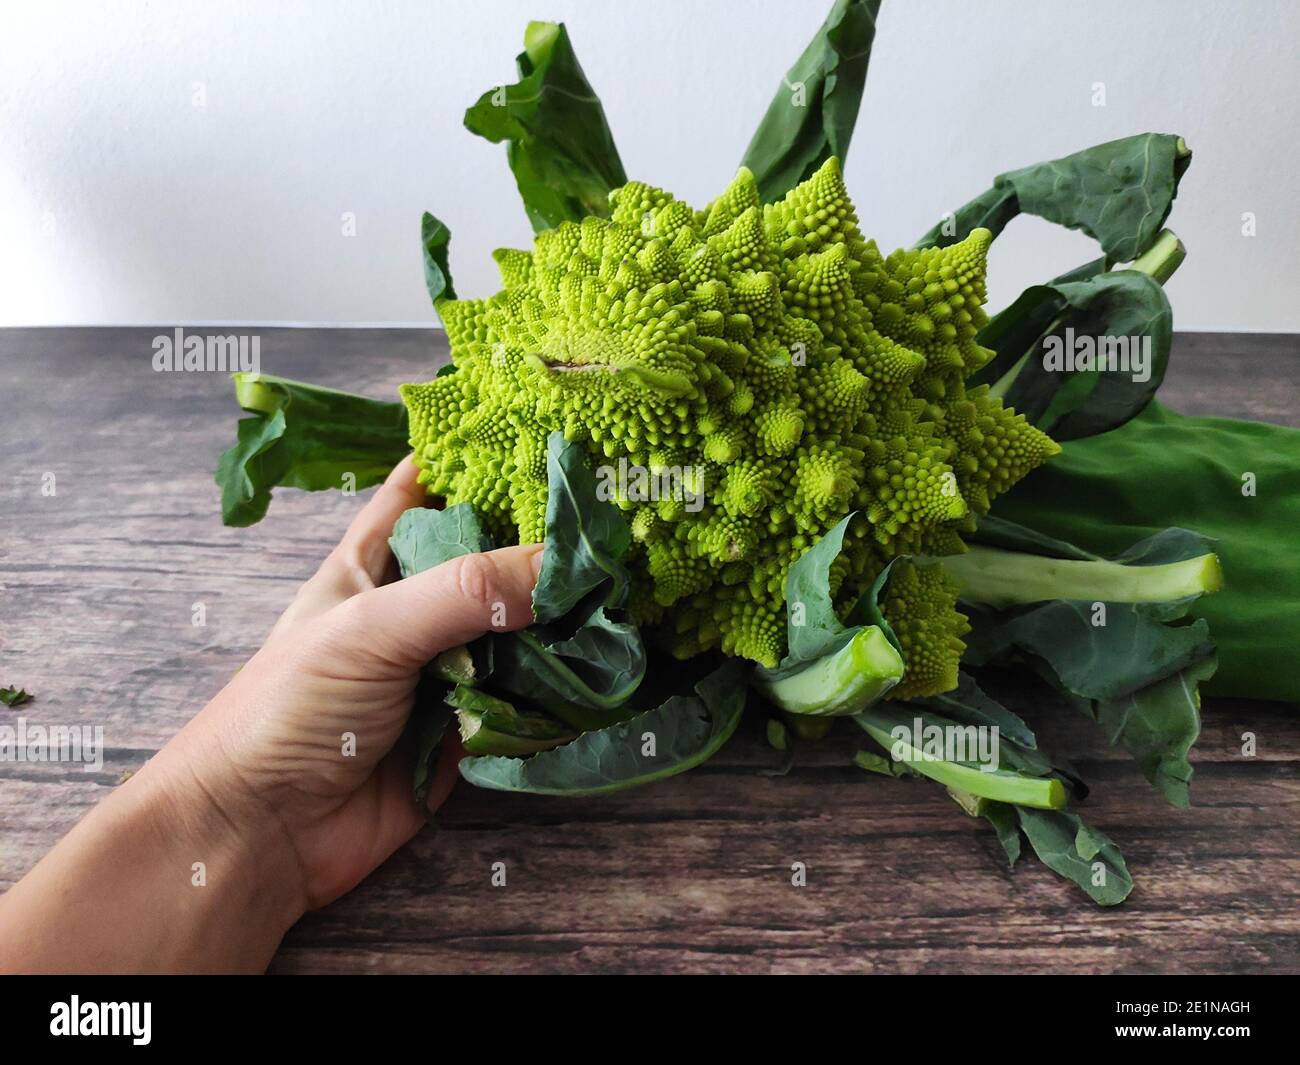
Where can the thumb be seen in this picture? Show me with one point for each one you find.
(408, 622)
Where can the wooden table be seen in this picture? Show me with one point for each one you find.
(98, 585)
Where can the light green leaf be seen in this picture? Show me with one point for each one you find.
(425, 538)
(302, 436)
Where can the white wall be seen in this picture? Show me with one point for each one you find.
(122, 202)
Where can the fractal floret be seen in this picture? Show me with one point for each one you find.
(770, 366)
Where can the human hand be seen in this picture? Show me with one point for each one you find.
(264, 787)
(344, 661)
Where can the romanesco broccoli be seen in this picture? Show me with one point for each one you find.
(780, 365)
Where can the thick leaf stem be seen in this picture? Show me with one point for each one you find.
(1044, 793)
(998, 578)
(1164, 256)
(845, 682)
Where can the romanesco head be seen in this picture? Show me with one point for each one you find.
(745, 375)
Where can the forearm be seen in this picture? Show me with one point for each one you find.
(157, 878)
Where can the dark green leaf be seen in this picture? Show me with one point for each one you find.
(1119, 193)
(1068, 846)
(1105, 317)
(866, 611)
(584, 680)
(1135, 674)
(1158, 725)
(686, 730)
(583, 660)
(813, 113)
(1002, 816)
(423, 538)
(1132, 649)
(812, 628)
(994, 531)
(560, 147)
(435, 240)
(585, 536)
(426, 727)
(1165, 469)
(306, 437)
(14, 696)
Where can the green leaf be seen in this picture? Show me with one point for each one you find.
(1002, 816)
(583, 659)
(994, 531)
(585, 536)
(435, 241)
(866, 611)
(1032, 338)
(1158, 725)
(1135, 647)
(1068, 846)
(1119, 193)
(1024, 796)
(1135, 674)
(585, 680)
(424, 538)
(813, 113)
(302, 436)
(1166, 469)
(560, 147)
(426, 727)
(812, 627)
(687, 730)
(830, 669)
(14, 696)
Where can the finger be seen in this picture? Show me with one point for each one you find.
(407, 623)
(362, 556)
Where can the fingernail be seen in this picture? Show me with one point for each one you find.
(536, 562)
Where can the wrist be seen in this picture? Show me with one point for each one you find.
(244, 882)
(160, 877)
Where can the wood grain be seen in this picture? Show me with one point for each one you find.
(98, 585)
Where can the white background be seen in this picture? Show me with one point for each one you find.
(120, 202)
